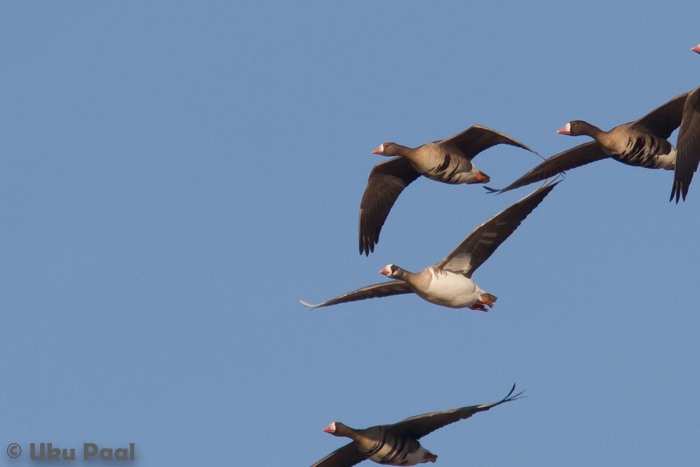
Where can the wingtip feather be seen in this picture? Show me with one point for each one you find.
(511, 397)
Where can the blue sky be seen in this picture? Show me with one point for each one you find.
(175, 176)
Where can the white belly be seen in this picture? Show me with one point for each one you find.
(667, 161)
(417, 457)
(451, 290)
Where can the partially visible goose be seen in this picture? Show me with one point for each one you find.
(447, 161)
(397, 444)
(449, 282)
(641, 143)
(688, 145)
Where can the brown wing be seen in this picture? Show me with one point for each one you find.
(483, 241)
(346, 456)
(386, 182)
(569, 159)
(421, 425)
(385, 289)
(663, 120)
(687, 147)
(478, 138)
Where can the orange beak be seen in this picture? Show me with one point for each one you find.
(379, 150)
(385, 271)
(565, 131)
(696, 48)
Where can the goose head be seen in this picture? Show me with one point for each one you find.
(575, 128)
(387, 149)
(337, 429)
(392, 271)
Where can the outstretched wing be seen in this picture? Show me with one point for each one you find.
(386, 182)
(569, 159)
(478, 138)
(385, 289)
(346, 456)
(663, 120)
(483, 241)
(421, 425)
(687, 147)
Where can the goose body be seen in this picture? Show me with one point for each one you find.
(630, 144)
(445, 288)
(436, 162)
(382, 446)
(449, 283)
(397, 444)
(642, 143)
(447, 161)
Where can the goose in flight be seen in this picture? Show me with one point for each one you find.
(397, 444)
(641, 143)
(446, 161)
(449, 282)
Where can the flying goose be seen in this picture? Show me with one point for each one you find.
(447, 161)
(397, 444)
(449, 282)
(688, 145)
(641, 143)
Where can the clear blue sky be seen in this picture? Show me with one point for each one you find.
(175, 176)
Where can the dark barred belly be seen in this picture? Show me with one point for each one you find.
(643, 152)
(392, 450)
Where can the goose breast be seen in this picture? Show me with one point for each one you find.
(434, 162)
(638, 148)
(449, 289)
(389, 449)
(644, 150)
